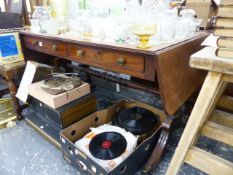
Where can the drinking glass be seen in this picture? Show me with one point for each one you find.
(167, 25)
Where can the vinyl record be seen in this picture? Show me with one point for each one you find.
(136, 120)
(107, 145)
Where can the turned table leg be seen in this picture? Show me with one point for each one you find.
(13, 91)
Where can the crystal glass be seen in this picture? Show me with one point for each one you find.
(35, 26)
(167, 22)
(58, 9)
(51, 27)
(100, 8)
(98, 28)
(186, 25)
(42, 14)
(144, 28)
(72, 8)
(86, 25)
(117, 7)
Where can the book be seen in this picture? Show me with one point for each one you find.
(224, 32)
(226, 23)
(223, 52)
(226, 2)
(225, 12)
(225, 42)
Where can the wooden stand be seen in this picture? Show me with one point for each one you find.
(9, 72)
(205, 120)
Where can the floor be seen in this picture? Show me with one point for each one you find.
(24, 152)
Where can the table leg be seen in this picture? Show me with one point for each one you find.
(13, 91)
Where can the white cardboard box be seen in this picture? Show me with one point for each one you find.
(56, 101)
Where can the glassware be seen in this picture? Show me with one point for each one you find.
(117, 7)
(51, 27)
(42, 14)
(58, 9)
(186, 25)
(144, 28)
(35, 26)
(98, 28)
(86, 25)
(100, 8)
(73, 8)
(167, 23)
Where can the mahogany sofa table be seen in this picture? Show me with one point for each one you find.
(163, 69)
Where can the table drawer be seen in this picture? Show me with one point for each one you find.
(122, 60)
(47, 46)
(82, 54)
(131, 64)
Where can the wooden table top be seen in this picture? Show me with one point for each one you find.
(154, 50)
(206, 59)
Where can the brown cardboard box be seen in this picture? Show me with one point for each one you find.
(204, 10)
(86, 165)
(56, 101)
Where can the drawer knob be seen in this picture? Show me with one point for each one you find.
(35, 43)
(55, 47)
(80, 53)
(121, 61)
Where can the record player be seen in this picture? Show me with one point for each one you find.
(59, 90)
(61, 83)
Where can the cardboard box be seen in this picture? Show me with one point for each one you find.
(86, 165)
(56, 101)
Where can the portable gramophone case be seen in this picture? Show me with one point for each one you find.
(67, 114)
(87, 165)
(56, 101)
(53, 121)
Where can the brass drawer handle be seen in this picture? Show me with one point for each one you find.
(121, 61)
(80, 53)
(55, 47)
(35, 43)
